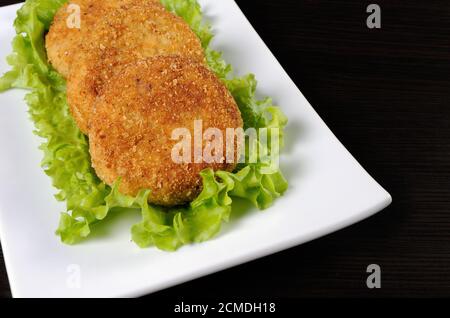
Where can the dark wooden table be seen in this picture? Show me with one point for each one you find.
(386, 95)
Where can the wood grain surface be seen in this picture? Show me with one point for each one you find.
(385, 94)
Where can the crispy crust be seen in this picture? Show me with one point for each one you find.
(133, 31)
(133, 121)
(64, 43)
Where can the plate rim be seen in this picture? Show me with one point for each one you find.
(259, 252)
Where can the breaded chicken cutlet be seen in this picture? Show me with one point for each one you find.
(64, 40)
(133, 121)
(120, 34)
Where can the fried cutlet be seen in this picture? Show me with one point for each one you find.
(133, 121)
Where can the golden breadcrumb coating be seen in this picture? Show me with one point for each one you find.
(120, 36)
(64, 41)
(132, 124)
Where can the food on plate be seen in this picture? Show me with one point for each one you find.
(120, 36)
(133, 121)
(72, 27)
(106, 99)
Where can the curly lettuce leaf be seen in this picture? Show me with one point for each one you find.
(203, 219)
(66, 153)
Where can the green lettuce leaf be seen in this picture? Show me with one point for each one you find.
(66, 153)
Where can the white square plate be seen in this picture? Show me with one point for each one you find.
(328, 191)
